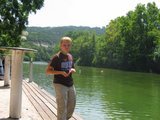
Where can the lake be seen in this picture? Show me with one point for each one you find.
(107, 94)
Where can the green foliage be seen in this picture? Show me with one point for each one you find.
(14, 18)
(83, 47)
(131, 42)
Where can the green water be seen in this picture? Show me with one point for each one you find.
(107, 94)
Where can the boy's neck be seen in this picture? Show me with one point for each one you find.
(65, 53)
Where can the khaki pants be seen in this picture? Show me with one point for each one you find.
(66, 101)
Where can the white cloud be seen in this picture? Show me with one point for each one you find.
(82, 12)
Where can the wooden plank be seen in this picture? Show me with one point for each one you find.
(50, 98)
(35, 104)
(47, 99)
(77, 117)
(38, 107)
(45, 104)
(53, 99)
(42, 103)
(45, 92)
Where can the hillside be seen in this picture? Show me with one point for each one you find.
(43, 39)
(50, 35)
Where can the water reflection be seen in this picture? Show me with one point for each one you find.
(119, 95)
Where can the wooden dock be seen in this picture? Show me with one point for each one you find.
(37, 104)
(44, 103)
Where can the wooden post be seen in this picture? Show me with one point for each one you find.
(16, 84)
(16, 79)
(31, 70)
(7, 70)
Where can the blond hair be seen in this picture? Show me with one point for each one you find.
(68, 39)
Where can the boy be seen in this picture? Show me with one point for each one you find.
(62, 67)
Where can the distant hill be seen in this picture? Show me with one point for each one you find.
(43, 39)
(50, 35)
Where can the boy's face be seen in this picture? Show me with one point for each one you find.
(65, 46)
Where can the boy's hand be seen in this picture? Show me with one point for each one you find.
(72, 70)
(64, 74)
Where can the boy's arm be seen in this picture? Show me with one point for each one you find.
(50, 70)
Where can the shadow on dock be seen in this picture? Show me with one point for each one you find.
(4, 87)
(8, 119)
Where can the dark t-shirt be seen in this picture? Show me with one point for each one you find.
(61, 62)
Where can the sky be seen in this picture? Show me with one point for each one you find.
(92, 13)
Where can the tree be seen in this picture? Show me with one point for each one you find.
(14, 18)
(83, 48)
(131, 42)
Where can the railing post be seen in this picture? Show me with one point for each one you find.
(1, 70)
(16, 84)
(31, 70)
(7, 70)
